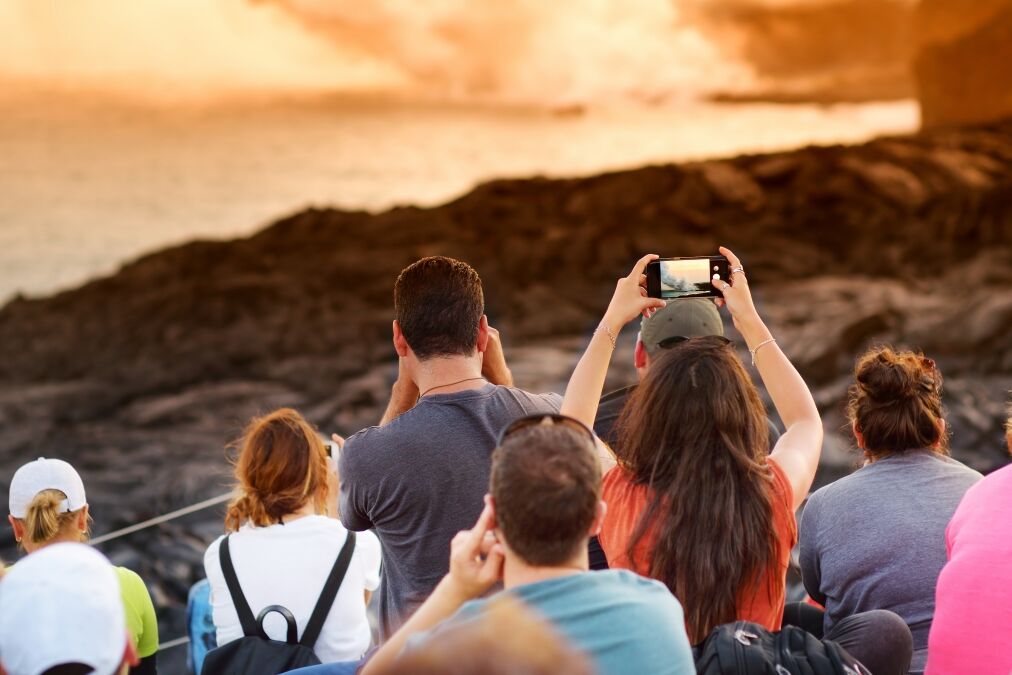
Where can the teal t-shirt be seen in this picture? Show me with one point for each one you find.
(624, 622)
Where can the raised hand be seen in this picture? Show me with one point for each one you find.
(630, 298)
(493, 361)
(476, 558)
(737, 296)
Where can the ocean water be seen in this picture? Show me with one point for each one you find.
(87, 182)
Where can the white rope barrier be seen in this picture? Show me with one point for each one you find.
(158, 520)
(178, 642)
(164, 518)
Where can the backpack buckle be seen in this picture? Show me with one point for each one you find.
(744, 637)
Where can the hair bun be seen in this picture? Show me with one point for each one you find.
(888, 377)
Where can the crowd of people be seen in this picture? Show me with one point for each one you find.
(505, 531)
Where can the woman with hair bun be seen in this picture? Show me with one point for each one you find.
(875, 540)
(284, 539)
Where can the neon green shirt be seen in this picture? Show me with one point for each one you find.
(140, 612)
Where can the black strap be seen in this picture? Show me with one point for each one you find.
(326, 601)
(246, 620)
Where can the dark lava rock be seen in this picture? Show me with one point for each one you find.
(140, 379)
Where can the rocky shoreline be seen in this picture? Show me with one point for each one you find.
(140, 379)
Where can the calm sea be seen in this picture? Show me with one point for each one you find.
(87, 184)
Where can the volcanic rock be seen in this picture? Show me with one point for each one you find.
(142, 378)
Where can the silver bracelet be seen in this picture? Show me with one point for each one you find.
(758, 346)
(609, 333)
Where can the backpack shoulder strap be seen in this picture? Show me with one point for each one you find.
(246, 619)
(326, 601)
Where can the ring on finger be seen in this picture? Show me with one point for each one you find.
(735, 270)
(725, 286)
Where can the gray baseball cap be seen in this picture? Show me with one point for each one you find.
(687, 317)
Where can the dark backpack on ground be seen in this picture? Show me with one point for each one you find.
(257, 654)
(744, 648)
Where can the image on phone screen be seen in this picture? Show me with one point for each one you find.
(685, 278)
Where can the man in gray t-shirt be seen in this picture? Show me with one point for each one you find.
(876, 539)
(419, 477)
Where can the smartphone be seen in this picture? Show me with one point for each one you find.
(674, 278)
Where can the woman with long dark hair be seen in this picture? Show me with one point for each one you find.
(697, 500)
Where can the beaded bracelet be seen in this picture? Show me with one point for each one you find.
(609, 333)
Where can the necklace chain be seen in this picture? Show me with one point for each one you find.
(450, 384)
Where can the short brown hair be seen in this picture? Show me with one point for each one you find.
(282, 465)
(546, 483)
(896, 401)
(438, 303)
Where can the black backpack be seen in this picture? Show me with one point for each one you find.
(744, 648)
(257, 654)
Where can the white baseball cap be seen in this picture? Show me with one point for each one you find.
(45, 474)
(60, 605)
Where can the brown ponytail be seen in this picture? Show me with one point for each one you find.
(896, 402)
(282, 466)
(44, 521)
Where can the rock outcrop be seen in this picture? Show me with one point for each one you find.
(142, 377)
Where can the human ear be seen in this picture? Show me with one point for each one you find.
(19, 529)
(857, 436)
(640, 358)
(400, 342)
(491, 507)
(130, 657)
(82, 520)
(482, 343)
(602, 511)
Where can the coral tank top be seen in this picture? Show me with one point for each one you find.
(627, 500)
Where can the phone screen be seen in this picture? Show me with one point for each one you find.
(686, 278)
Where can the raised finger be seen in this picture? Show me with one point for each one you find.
(731, 257)
(641, 265)
(477, 533)
(337, 438)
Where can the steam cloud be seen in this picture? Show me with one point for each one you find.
(525, 51)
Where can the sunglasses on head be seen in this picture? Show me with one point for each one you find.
(668, 343)
(528, 421)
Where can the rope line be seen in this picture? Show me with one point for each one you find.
(164, 518)
(158, 520)
(178, 642)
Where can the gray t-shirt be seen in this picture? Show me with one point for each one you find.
(876, 539)
(421, 479)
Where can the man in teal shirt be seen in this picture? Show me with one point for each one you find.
(544, 503)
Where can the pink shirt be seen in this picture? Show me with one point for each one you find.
(972, 628)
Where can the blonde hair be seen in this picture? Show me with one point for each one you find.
(44, 521)
(282, 466)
